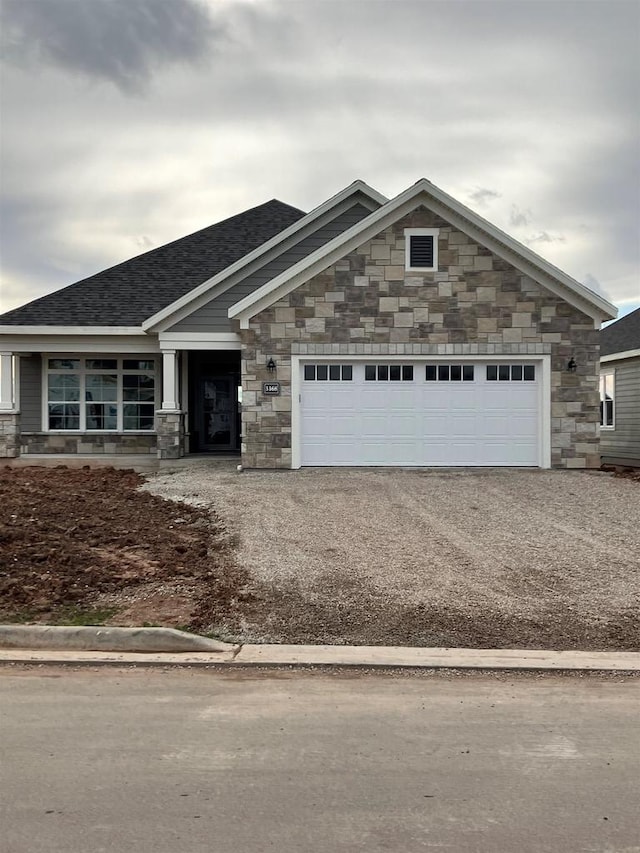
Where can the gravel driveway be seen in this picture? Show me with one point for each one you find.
(467, 557)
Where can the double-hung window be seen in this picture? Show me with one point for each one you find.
(607, 400)
(100, 394)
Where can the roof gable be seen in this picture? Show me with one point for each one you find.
(424, 192)
(357, 193)
(128, 293)
(621, 336)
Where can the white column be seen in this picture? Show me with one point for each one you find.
(170, 380)
(7, 385)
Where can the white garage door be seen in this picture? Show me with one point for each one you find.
(417, 413)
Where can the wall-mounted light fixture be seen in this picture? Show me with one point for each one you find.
(571, 365)
(271, 366)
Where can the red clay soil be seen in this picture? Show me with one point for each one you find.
(74, 541)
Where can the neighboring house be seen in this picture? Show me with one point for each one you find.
(405, 332)
(620, 391)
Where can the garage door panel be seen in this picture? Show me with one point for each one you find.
(407, 426)
(463, 426)
(420, 422)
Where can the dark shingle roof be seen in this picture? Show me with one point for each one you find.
(622, 335)
(129, 293)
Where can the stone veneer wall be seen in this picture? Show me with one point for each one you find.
(87, 443)
(9, 434)
(171, 437)
(368, 303)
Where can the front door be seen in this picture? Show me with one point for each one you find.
(218, 413)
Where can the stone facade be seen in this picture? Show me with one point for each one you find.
(167, 442)
(9, 434)
(170, 429)
(476, 303)
(88, 444)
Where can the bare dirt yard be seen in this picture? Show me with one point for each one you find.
(474, 558)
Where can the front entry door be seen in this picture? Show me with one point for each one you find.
(218, 408)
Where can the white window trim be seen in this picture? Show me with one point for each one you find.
(82, 371)
(603, 373)
(420, 232)
(543, 381)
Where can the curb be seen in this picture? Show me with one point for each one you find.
(57, 638)
(356, 657)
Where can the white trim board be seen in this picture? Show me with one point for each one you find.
(461, 217)
(115, 344)
(199, 340)
(544, 389)
(620, 356)
(72, 330)
(357, 192)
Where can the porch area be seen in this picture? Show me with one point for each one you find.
(121, 410)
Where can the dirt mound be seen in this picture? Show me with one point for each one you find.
(76, 541)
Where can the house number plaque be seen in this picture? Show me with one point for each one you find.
(272, 388)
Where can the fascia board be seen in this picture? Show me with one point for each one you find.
(475, 226)
(72, 330)
(18, 343)
(199, 340)
(204, 292)
(621, 356)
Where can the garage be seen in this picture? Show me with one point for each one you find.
(420, 413)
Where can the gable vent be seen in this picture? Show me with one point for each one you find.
(421, 251)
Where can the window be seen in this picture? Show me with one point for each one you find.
(388, 372)
(511, 372)
(607, 400)
(449, 373)
(421, 249)
(328, 372)
(101, 394)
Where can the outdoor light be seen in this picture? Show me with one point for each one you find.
(271, 365)
(571, 365)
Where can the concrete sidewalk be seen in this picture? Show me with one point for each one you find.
(389, 657)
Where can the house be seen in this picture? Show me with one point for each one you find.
(620, 391)
(401, 332)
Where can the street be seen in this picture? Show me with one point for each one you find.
(245, 761)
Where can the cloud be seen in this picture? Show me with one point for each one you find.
(143, 242)
(592, 283)
(545, 237)
(120, 41)
(518, 218)
(239, 102)
(482, 196)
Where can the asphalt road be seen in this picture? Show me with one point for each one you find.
(144, 760)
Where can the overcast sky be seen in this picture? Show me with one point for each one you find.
(130, 123)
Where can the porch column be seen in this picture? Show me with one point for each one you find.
(170, 380)
(9, 415)
(7, 385)
(170, 418)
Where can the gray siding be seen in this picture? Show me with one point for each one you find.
(213, 317)
(622, 443)
(31, 393)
